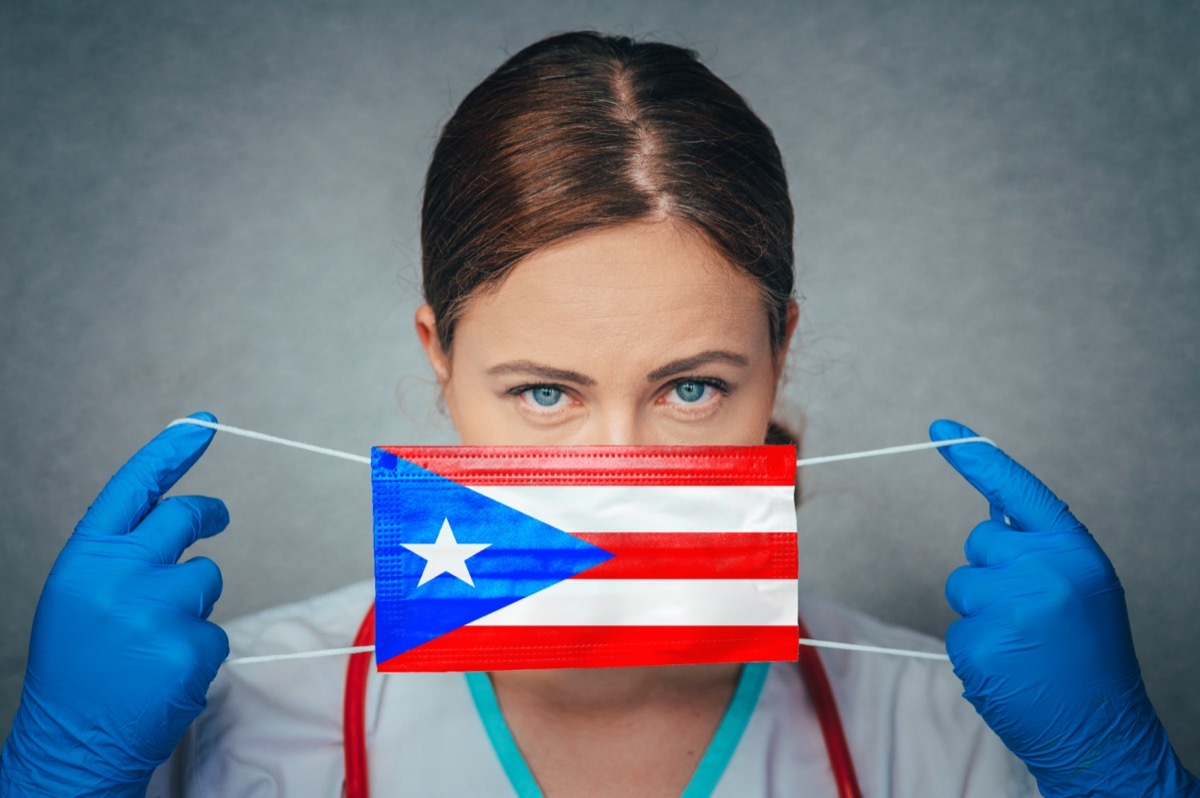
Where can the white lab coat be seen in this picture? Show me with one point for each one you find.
(275, 729)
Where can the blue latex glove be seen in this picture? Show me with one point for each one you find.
(121, 655)
(1044, 649)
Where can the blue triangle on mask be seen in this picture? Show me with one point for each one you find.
(523, 555)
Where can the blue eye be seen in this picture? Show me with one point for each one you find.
(691, 391)
(545, 395)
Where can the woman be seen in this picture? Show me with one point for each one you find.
(607, 254)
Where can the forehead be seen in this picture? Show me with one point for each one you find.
(642, 291)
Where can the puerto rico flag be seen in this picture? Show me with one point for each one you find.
(493, 558)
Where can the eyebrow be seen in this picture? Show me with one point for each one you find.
(537, 369)
(670, 369)
(695, 361)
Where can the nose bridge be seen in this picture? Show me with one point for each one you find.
(620, 428)
(617, 424)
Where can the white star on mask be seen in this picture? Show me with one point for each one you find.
(445, 555)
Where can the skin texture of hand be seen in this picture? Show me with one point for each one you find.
(1044, 649)
(121, 654)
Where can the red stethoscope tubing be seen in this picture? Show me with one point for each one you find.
(354, 712)
(355, 702)
(821, 694)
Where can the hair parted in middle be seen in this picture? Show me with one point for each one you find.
(583, 130)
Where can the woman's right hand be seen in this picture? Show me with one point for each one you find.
(121, 654)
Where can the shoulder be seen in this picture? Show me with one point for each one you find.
(909, 729)
(888, 691)
(291, 708)
(275, 728)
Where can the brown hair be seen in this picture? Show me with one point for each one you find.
(583, 130)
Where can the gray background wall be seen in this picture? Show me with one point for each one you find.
(213, 206)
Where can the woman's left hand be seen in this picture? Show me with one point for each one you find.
(1044, 649)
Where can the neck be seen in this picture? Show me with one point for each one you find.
(592, 690)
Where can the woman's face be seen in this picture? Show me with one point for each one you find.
(637, 334)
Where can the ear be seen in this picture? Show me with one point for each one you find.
(426, 324)
(793, 319)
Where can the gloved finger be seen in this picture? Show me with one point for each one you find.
(197, 648)
(995, 543)
(960, 638)
(190, 654)
(970, 590)
(212, 646)
(145, 477)
(191, 587)
(978, 648)
(1008, 486)
(176, 523)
